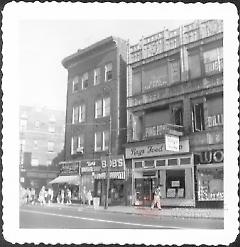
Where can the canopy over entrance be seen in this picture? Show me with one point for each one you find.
(74, 180)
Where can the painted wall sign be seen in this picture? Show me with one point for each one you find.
(208, 157)
(216, 120)
(155, 150)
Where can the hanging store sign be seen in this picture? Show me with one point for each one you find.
(112, 175)
(69, 168)
(172, 143)
(155, 150)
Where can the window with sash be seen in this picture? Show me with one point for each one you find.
(75, 84)
(97, 76)
(84, 80)
(108, 72)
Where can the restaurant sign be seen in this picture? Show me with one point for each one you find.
(155, 150)
(69, 168)
(115, 163)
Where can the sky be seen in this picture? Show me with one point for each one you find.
(42, 45)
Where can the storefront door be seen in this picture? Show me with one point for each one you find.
(144, 190)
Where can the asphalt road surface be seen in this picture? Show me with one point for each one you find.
(60, 217)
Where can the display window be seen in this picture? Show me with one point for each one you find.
(175, 184)
(210, 184)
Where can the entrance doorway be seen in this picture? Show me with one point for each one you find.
(144, 188)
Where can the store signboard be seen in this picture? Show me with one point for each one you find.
(115, 163)
(172, 143)
(69, 168)
(155, 150)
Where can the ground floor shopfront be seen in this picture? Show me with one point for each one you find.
(94, 177)
(174, 171)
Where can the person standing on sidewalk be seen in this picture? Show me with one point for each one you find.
(156, 198)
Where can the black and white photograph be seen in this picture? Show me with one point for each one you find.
(120, 123)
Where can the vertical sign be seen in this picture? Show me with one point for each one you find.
(172, 143)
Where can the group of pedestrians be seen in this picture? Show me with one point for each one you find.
(27, 196)
(64, 196)
(45, 196)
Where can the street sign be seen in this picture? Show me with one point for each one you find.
(172, 143)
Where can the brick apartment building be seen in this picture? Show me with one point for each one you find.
(175, 87)
(41, 140)
(96, 120)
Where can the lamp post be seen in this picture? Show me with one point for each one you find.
(108, 163)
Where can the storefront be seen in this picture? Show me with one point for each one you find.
(209, 178)
(94, 175)
(174, 171)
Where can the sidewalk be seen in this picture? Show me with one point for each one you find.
(173, 212)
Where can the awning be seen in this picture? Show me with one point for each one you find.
(66, 180)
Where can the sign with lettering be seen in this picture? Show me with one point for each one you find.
(207, 157)
(157, 130)
(69, 168)
(155, 150)
(116, 163)
(216, 120)
(172, 143)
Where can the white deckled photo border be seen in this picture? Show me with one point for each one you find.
(13, 13)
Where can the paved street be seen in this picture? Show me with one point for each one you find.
(61, 216)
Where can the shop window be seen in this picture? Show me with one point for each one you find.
(149, 163)
(185, 161)
(138, 164)
(160, 163)
(172, 162)
(75, 84)
(194, 66)
(97, 73)
(213, 60)
(210, 184)
(84, 80)
(198, 117)
(108, 72)
(175, 184)
(155, 76)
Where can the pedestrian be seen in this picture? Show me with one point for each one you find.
(69, 195)
(89, 198)
(28, 195)
(62, 196)
(156, 198)
(84, 195)
(41, 196)
(50, 195)
(32, 193)
(59, 197)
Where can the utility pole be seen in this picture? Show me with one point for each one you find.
(108, 163)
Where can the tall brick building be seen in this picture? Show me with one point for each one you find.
(96, 118)
(41, 139)
(175, 87)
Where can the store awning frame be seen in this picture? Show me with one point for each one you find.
(71, 179)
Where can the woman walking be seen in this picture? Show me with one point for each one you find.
(156, 198)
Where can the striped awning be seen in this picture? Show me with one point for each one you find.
(112, 175)
(74, 180)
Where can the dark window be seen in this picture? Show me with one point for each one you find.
(149, 163)
(138, 164)
(198, 117)
(185, 161)
(178, 116)
(175, 184)
(194, 66)
(172, 162)
(160, 163)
